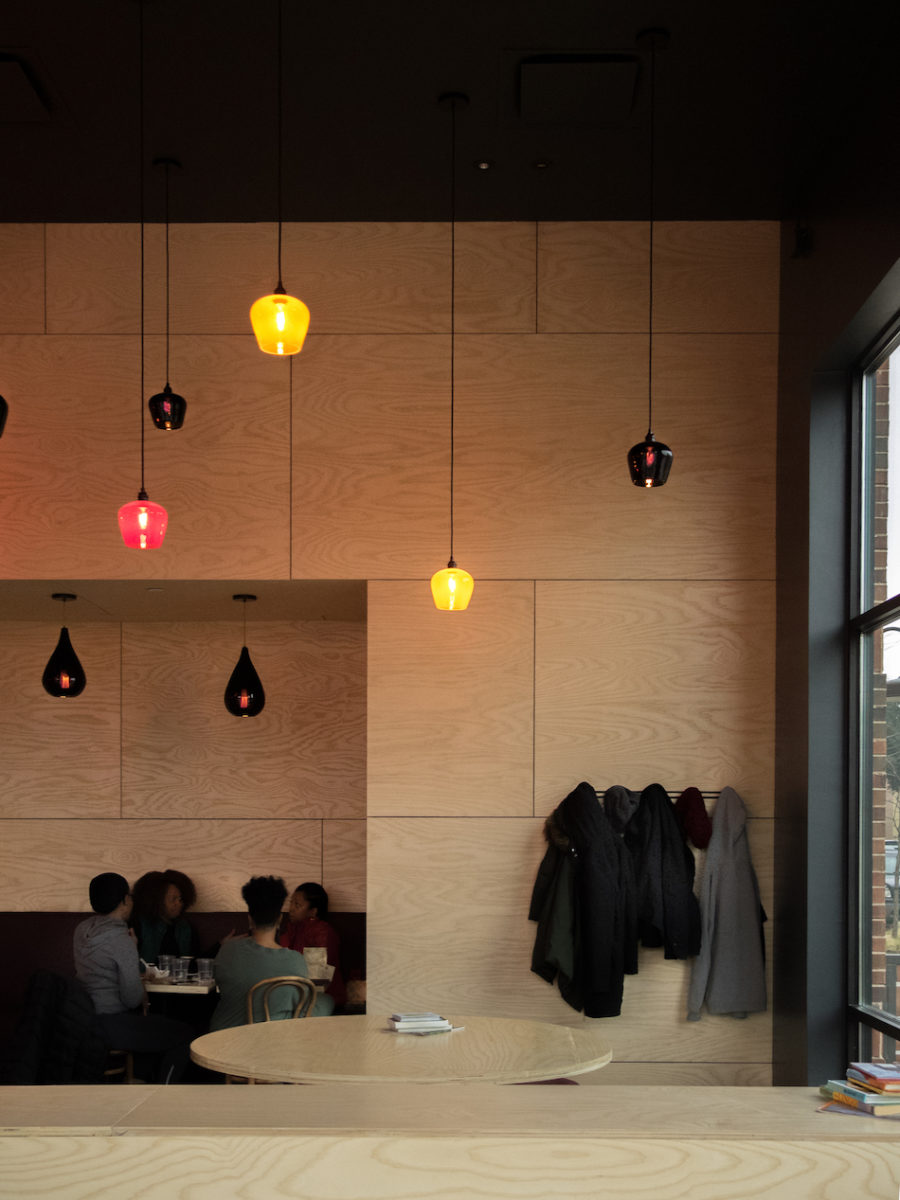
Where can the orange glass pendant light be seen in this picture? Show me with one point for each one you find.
(280, 322)
(452, 587)
(64, 675)
(650, 461)
(141, 522)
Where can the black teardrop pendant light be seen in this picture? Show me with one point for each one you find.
(167, 408)
(650, 461)
(244, 692)
(64, 675)
(4, 413)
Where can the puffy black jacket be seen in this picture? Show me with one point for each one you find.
(58, 1039)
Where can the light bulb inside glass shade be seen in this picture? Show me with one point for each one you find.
(143, 523)
(280, 323)
(244, 692)
(63, 675)
(649, 462)
(452, 588)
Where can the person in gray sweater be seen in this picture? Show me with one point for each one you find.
(108, 968)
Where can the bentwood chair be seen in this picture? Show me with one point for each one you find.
(304, 1006)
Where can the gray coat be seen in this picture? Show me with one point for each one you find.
(107, 964)
(729, 974)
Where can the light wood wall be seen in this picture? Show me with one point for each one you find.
(616, 635)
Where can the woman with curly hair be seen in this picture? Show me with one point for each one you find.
(160, 898)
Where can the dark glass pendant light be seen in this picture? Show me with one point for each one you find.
(244, 692)
(650, 461)
(4, 413)
(64, 675)
(167, 408)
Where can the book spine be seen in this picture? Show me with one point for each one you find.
(840, 1088)
(874, 1110)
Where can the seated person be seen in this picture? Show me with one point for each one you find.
(306, 926)
(160, 898)
(108, 968)
(245, 961)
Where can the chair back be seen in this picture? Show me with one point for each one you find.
(305, 987)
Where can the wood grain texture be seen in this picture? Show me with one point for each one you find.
(543, 427)
(371, 467)
(705, 1075)
(495, 277)
(223, 478)
(482, 965)
(593, 276)
(344, 864)
(302, 757)
(701, 713)
(94, 278)
(21, 281)
(449, 702)
(362, 1049)
(716, 276)
(355, 277)
(60, 756)
(219, 855)
(181, 1166)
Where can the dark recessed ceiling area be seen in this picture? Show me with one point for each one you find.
(755, 105)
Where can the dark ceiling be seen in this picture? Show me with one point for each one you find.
(755, 104)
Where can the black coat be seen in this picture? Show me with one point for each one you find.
(584, 903)
(668, 912)
(58, 1039)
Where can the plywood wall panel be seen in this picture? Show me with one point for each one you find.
(21, 281)
(593, 276)
(449, 702)
(344, 865)
(495, 276)
(47, 865)
(373, 277)
(94, 278)
(477, 959)
(543, 426)
(302, 757)
(60, 756)
(371, 471)
(671, 682)
(716, 276)
(224, 478)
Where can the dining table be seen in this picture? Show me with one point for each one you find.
(363, 1049)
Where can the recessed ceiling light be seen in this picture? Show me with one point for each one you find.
(482, 164)
(541, 164)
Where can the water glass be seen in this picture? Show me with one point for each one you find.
(164, 962)
(205, 970)
(179, 969)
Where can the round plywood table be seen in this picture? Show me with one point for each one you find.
(364, 1050)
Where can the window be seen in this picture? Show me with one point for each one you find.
(875, 647)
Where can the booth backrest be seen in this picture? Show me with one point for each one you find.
(30, 941)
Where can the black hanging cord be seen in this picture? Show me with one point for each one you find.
(142, 495)
(452, 306)
(167, 273)
(652, 212)
(278, 154)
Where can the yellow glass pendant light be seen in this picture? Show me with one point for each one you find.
(280, 322)
(452, 587)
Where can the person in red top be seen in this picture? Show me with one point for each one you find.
(306, 926)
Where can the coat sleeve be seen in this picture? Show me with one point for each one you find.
(128, 971)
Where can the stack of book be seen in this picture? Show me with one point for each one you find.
(870, 1088)
(419, 1022)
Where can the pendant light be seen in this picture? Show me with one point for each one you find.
(4, 413)
(279, 321)
(452, 587)
(167, 408)
(244, 692)
(63, 675)
(649, 461)
(142, 523)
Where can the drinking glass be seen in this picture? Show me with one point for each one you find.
(205, 970)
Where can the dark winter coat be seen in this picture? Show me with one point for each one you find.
(583, 902)
(58, 1039)
(668, 913)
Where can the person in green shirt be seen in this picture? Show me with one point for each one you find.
(244, 961)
